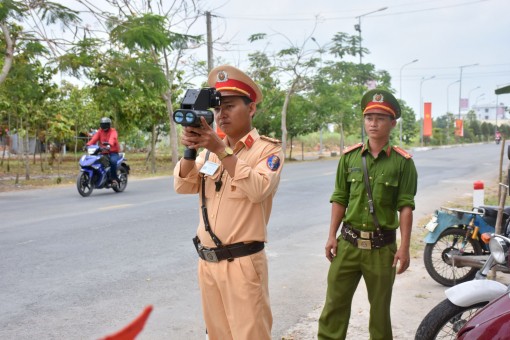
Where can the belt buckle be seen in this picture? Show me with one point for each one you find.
(209, 255)
(364, 244)
(365, 234)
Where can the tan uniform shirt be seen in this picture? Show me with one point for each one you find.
(240, 210)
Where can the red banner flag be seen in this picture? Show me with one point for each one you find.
(459, 129)
(427, 119)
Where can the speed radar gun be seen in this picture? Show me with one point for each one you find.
(196, 104)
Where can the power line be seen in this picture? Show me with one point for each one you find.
(320, 17)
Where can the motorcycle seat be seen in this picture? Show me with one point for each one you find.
(491, 214)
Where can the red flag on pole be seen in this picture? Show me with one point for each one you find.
(459, 129)
(427, 119)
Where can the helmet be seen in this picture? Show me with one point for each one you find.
(106, 123)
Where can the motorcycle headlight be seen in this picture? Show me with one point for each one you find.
(499, 249)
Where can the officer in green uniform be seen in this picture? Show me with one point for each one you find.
(366, 246)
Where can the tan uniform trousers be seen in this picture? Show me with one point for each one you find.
(235, 298)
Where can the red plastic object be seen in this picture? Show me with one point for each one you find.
(133, 329)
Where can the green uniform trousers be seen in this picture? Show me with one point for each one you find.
(345, 272)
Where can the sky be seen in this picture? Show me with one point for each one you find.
(445, 36)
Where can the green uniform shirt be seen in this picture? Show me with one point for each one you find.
(393, 179)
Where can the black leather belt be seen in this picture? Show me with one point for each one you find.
(367, 239)
(227, 252)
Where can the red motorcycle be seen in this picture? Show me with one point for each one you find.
(491, 322)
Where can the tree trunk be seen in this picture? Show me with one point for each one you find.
(284, 122)
(342, 138)
(9, 53)
(290, 152)
(153, 149)
(173, 130)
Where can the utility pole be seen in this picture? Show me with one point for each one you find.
(209, 42)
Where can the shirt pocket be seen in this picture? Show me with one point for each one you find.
(355, 181)
(210, 184)
(385, 189)
(235, 193)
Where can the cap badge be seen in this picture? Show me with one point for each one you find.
(378, 98)
(222, 76)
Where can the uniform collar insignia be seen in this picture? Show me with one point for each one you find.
(249, 141)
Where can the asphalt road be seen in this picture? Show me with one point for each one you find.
(80, 268)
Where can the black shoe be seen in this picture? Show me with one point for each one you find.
(115, 184)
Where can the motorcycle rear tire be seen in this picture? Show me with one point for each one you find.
(445, 320)
(441, 271)
(84, 185)
(122, 175)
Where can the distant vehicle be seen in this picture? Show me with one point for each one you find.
(95, 172)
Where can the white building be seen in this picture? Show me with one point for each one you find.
(491, 113)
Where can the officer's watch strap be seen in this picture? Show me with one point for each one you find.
(369, 192)
(204, 210)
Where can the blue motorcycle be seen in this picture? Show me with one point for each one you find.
(455, 233)
(95, 171)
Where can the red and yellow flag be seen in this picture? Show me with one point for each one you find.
(427, 119)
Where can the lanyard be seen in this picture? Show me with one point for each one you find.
(370, 198)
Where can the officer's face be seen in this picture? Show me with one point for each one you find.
(378, 125)
(234, 116)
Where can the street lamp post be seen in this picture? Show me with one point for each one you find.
(448, 110)
(469, 95)
(480, 96)
(400, 92)
(357, 27)
(448, 95)
(423, 79)
(460, 82)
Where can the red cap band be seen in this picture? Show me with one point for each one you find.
(238, 86)
(380, 105)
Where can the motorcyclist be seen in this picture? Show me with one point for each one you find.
(497, 137)
(108, 139)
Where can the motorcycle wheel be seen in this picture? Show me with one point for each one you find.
(435, 254)
(445, 320)
(122, 175)
(83, 184)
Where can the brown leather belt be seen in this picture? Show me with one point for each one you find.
(227, 252)
(367, 239)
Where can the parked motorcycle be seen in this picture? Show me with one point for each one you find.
(95, 172)
(463, 300)
(490, 322)
(456, 232)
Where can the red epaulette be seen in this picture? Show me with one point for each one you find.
(352, 147)
(402, 152)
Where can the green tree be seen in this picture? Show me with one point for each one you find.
(35, 15)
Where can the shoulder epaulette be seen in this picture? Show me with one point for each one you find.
(402, 152)
(272, 140)
(352, 147)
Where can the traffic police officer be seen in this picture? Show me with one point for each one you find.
(236, 178)
(367, 245)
